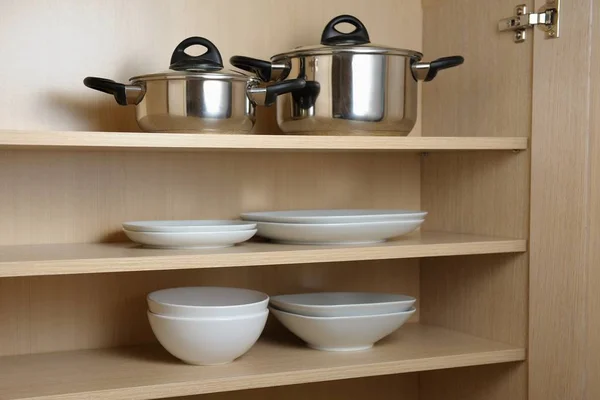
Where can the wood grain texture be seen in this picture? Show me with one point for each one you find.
(74, 197)
(404, 386)
(560, 213)
(150, 373)
(118, 40)
(593, 270)
(173, 141)
(59, 313)
(62, 259)
(473, 193)
(492, 382)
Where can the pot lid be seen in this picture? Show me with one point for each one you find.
(358, 42)
(207, 66)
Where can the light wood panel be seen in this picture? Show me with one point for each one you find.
(164, 141)
(492, 382)
(73, 197)
(491, 92)
(58, 313)
(53, 259)
(593, 270)
(404, 386)
(149, 372)
(117, 40)
(560, 213)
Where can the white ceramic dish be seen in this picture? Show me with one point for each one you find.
(342, 333)
(342, 304)
(208, 341)
(347, 233)
(206, 302)
(188, 226)
(190, 240)
(333, 216)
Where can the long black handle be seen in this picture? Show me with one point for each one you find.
(280, 88)
(108, 86)
(332, 36)
(260, 68)
(211, 60)
(443, 63)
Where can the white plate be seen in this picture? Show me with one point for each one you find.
(348, 233)
(206, 301)
(190, 240)
(342, 304)
(333, 216)
(342, 333)
(188, 226)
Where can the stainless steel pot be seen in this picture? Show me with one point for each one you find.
(352, 87)
(195, 95)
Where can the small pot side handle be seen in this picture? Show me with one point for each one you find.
(443, 63)
(124, 94)
(261, 68)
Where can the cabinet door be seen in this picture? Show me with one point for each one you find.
(564, 345)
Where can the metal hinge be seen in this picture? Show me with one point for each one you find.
(547, 18)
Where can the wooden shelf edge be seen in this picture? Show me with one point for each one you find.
(175, 141)
(67, 259)
(147, 372)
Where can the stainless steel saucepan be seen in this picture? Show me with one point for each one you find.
(352, 87)
(196, 94)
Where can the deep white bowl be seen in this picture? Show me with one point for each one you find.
(190, 240)
(204, 225)
(342, 333)
(206, 302)
(342, 304)
(208, 341)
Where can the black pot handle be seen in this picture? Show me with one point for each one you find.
(332, 36)
(209, 61)
(107, 86)
(280, 88)
(443, 63)
(260, 68)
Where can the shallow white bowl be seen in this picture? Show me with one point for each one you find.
(188, 226)
(206, 301)
(342, 333)
(342, 304)
(333, 216)
(345, 233)
(190, 240)
(208, 341)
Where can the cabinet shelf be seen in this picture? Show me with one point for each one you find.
(148, 372)
(63, 259)
(175, 141)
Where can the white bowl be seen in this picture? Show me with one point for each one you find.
(346, 233)
(208, 341)
(206, 301)
(188, 226)
(342, 304)
(333, 216)
(190, 240)
(342, 333)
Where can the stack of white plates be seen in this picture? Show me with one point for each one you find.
(207, 325)
(335, 226)
(339, 321)
(199, 234)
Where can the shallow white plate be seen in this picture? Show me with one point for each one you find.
(347, 233)
(190, 240)
(342, 333)
(206, 301)
(342, 304)
(333, 216)
(188, 226)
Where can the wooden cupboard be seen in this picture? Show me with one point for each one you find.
(502, 157)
